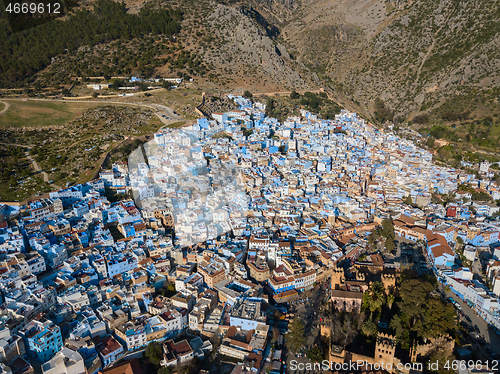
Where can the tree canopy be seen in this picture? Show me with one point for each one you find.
(154, 352)
(295, 338)
(421, 313)
(26, 52)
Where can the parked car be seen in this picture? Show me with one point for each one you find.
(475, 335)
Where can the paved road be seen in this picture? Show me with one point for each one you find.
(132, 354)
(491, 337)
(169, 112)
(162, 110)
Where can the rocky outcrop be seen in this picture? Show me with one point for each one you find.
(245, 45)
(409, 53)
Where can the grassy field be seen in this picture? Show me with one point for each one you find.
(2, 105)
(69, 140)
(24, 113)
(71, 153)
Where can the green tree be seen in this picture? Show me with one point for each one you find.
(247, 94)
(387, 228)
(154, 352)
(315, 354)
(422, 119)
(371, 240)
(269, 104)
(374, 298)
(369, 328)
(165, 370)
(117, 83)
(438, 317)
(382, 113)
(390, 300)
(389, 244)
(400, 329)
(35, 47)
(295, 338)
(167, 85)
(421, 312)
(142, 86)
(294, 95)
(481, 196)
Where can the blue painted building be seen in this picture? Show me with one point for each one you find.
(42, 340)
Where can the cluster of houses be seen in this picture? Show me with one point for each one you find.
(227, 213)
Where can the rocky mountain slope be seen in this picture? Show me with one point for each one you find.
(417, 56)
(240, 45)
(426, 60)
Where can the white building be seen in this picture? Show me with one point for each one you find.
(133, 333)
(247, 314)
(66, 361)
(118, 265)
(36, 264)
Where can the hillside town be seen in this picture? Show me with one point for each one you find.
(237, 222)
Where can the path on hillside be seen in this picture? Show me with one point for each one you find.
(7, 106)
(159, 110)
(37, 169)
(35, 165)
(284, 93)
(431, 47)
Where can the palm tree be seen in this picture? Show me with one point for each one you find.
(377, 287)
(376, 302)
(376, 296)
(390, 300)
(369, 328)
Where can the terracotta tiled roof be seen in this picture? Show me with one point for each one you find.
(126, 367)
(107, 345)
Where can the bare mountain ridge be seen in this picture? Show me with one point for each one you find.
(413, 55)
(243, 46)
(418, 56)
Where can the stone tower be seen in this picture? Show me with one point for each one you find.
(413, 353)
(360, 277)
(337, 277)
(385, 348)
(389, 282)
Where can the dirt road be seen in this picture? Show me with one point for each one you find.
(7, 106)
